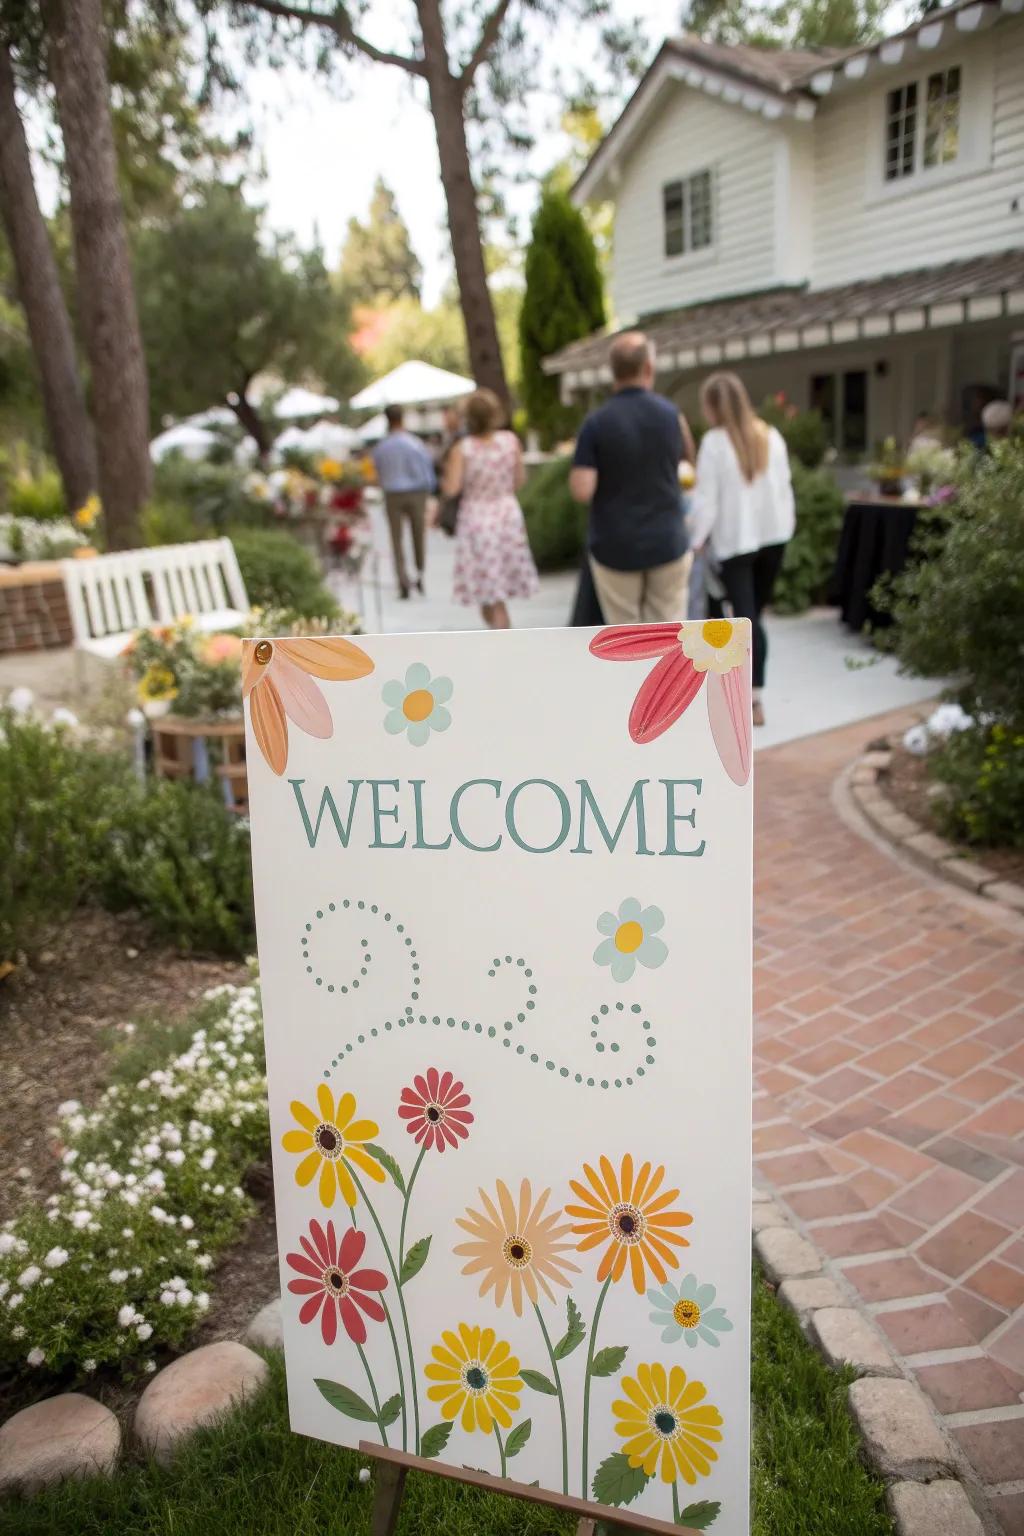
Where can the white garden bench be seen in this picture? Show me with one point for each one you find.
(111, 596)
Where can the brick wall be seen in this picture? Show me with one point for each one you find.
(33, 608)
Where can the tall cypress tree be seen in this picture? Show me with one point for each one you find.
(564, 300)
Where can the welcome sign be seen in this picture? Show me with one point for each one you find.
(503, 891)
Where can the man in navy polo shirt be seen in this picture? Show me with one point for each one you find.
(626, 466)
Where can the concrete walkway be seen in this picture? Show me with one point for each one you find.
(889, 1102)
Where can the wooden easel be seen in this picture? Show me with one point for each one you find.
(394, 1466)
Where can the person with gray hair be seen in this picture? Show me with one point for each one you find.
(626, 467)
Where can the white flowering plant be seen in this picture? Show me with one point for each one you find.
(117, 1264)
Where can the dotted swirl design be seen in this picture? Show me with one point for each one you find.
(405, 1016)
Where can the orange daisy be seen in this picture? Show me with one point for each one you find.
(516, 1249)
(277, 679)
(628, 1214)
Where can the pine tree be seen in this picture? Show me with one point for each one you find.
(564, 300)
(378, 261)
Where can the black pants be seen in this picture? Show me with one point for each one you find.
(749, 581)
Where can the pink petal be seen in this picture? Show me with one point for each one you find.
(310, 1308)
(354, 1325)
(370, 1306)
(305, 1287)
(635, 642)
(304, 1266)
(668, 690)
(332, 1243)
(329, 1322)
(303, 702)
(729, 717)
(319, 1237)
(368, 1280)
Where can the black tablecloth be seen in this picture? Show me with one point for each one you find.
(875, 539)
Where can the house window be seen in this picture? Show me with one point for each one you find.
(942, 117)
(922, 124)
(687, 212)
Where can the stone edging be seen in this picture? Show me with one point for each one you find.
(900, 1436)
(867, 782)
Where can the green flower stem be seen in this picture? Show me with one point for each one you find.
(394, 1346)
(501, 1450)
(405, 1205)
(586, 1383)
(401, 1304)
(561, 1399)
(373, 1393)
(675, 1504)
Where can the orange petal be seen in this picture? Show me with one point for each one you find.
(335, 659)
(269, 725)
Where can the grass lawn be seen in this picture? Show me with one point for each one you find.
(252, 1477)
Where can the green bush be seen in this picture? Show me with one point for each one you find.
(811, 553)
(803, 431)
(180, 858)
(556, 525)
(279, 573)
(984, 772)
(39, 496)
(170, 522)
(214, 494)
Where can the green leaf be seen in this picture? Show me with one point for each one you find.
(700, 1516)
(539, 1383)
(414, 1260)
(607, 1361)
(390, 1410)
(574, 1335)
(346, 1401)
(434, 1441)
(517, 1439)
(387, 1161)
(616, 1482)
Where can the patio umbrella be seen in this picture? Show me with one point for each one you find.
(412, 383)
(191, 442)
(298, 402)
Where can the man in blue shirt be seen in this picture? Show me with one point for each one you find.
(626, 466)
(405, 473)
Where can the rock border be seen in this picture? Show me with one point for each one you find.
(867, 781)
(901, 1438)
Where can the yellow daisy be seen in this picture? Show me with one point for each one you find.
(664, 1418)
(330, 1140)
(475, 1375)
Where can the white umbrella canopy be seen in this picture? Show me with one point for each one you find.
(216, 416)
(412, 383)
(331, 439)
(298, 402)
(373, 430)
(191, 442)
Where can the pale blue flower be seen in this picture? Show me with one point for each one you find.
(631, 937)
(417, 705)
(684, 1311)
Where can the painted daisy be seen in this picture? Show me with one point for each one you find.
(331, 1138)
(516, 1247)
(334, 1285)
(417, 706)
(475, 1375)
(436, 1110)
(663, 1418)
(685, 1311)
(717, 645)
(629, 1215)
(631, 936)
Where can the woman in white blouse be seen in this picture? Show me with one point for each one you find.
(743, 506)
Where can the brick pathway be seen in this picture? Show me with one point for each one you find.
(889, 1097)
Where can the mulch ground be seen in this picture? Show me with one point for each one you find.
(912, 790)
(59, 1022)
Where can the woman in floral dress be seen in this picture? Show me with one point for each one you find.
(492, 557)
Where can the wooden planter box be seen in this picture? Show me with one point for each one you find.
(182, 750)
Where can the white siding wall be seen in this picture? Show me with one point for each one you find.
(689, 132)
(864, 229)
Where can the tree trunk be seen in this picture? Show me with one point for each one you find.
(448, 109)
(250, 419)
(41, 296)
(77, 64)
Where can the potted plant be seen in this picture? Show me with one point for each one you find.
(889, 470)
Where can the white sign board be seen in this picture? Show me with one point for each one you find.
(503, 893)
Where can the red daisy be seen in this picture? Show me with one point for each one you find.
(436, 1109)
(331, 1280)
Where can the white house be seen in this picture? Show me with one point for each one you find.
(846, 226)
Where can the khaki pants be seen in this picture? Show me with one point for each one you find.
(657, 596)
(410, 507)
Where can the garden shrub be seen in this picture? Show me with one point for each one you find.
(56, 799)
(214, 494)
(177, 856)
(115, 1266)
(170, 522)
(556, 525)
(280, 573)
(803, 431)
(24, 538)
(811, 553)
(959, 612)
